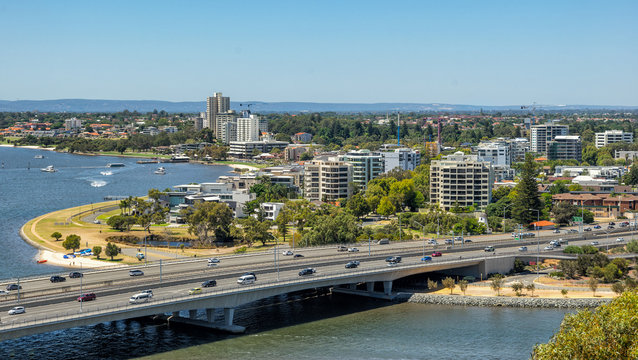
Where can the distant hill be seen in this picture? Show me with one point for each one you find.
(85, 105)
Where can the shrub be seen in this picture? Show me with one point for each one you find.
(564, 292)
(573, 249)
(632, 246)
(432, 285)
(557, 274)
(519, 265)
(618, 288)
(449, 283)
(589, 249)
(240, 250)
(517, 287)
(530, 287)
(463, 285)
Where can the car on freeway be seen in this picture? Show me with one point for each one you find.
(556, 231)
(351, 265)
(135, 272)
(307, 271)
(449, 241)
(426, 258)
(209, 283)
(597, 227)
(436, 253)
(612, 223)
(87, 297)
(17, 310)
(393, 263)
(13, 287)
(522, 248)
(286, 252)
(587, 229)
(573, 231)
(610, 227)
(563, 241)
(342, 248)
(383, 242)
(4, 292)
(57, 278)
(147, 291)
(489, 249)
(195, 291)
(548, 247)
(353, 249)
(467, 241)
(246, 279)
(75, 274)
(594, 243)
(298, 256)
(432, 242)
(210, 264)
(213, 260)
(251, 273)
(393, 258)
(620, 239)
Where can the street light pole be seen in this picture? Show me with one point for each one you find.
(423, 228)
(538, 238)
(275, 253)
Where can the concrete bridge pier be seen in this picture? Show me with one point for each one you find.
(210, 315)
(192, 314)
(387, 287)
(229, 314)
(352, 286)
(370, 286)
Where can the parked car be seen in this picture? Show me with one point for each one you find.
(287, 252)
(298, 256)
(594, 243)
(57, 278)
(353, 249)
(209, 283)
(13, 287)
(213, 260)
(342, 248)
(75, 274)
(597, 227)
(489, 248)
(436, 253)
(307, 271)
(610, 227)
(135, 272)
(351, 265)
(426, 258)
(612, 223)
(620, 239)
(522, 248)
(195, 291)
(17, 310)
(86, 297)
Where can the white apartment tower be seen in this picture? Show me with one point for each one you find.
(327, 180)
(497, 153)
(540, 135)
(613, 136)
(366, 166)
(460, 180)
(214, 105)
(248, 127)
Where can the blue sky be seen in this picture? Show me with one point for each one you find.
(460, 52)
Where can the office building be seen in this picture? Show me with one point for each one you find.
(327, 180)
(246, 149)
(542, 134)
(460, 180)
(613, 136)
(565, 147)
(366, 166)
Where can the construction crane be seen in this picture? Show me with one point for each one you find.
(533, 108)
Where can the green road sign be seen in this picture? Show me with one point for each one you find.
(577, 219)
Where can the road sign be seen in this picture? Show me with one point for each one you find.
(577, 219)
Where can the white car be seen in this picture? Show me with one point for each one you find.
(213, 261)
(17, 310)
(287, 252)
(522, 248)
(549, 247)
(392, 263)
(594, 243)
(353, 249)
(4, 292)
(620, 239)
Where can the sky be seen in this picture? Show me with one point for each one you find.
(456, 52)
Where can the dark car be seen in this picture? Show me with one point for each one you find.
(209, 283)
(351, 265)
(75, 274)
(86, 297)
(57, 278)
(307, 271)
(597, 226)
(612, 223)
(251, 273)
(298, 256)
(13, 287)
(396, 259)
(610, 226)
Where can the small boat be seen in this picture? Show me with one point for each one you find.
(42, 261)
(160, 171)
(49, 168)
(114, 165)
(106, 173)
(39, 157)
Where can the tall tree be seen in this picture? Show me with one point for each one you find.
(527, 194)
(209, 218)
(71, 242)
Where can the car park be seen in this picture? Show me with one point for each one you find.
(87, 297)
(13, 287)
(298, 256)
(594, 243)
(17, 310)
(489, 249)
(426, 258)
(57, 278)
(195, 291)
(286, 252)
(209, 283)
(307, 271)
(436, 253)
(620, 239)
(75, 274)
(522, 248)
(353, 249)
(351, 265)
(135, 272)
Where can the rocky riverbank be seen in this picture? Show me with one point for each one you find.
(519, 302)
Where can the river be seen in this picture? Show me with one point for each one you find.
(296, 326)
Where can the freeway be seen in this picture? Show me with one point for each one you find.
(113, 287)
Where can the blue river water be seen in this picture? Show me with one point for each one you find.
(295, 326)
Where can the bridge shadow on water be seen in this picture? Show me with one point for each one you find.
(144, 336)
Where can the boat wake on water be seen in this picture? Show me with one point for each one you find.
(106, 173)
(98, 183)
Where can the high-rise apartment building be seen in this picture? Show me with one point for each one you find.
(214, 105)
(226, 126)
(403, 158)
(460, 180)
(540, 135)
(248, 127)
(613, 136)
(72, 124)
(327, 180)
(366, 166)
(496, 152)
(565, 147)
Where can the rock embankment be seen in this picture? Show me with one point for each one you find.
(520, 302)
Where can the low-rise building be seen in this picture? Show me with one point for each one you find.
(302, 137)
(613, 136)
(602, 205)
(188, 195)
(271, 210)
(248, 149)
(403, 158)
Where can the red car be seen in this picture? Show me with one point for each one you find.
(436, 253)
(87, 297)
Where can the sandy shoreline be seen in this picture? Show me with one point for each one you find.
(56, 258)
